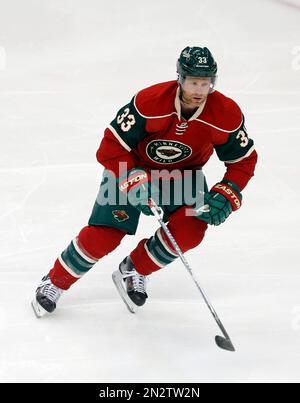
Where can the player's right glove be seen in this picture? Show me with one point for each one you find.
(219, 203)
(137, 185)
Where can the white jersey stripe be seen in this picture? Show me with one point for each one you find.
(218, 128)
(152, 117)
(119, 138)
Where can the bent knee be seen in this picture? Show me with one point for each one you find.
(98, 241)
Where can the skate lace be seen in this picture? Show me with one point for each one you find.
(52, 292)
(138, 280)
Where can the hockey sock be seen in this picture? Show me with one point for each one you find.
(83, 252)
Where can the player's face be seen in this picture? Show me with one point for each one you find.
(195, 90)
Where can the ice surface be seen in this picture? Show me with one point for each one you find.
(66, 67)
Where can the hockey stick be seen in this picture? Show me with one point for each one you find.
(223, 342)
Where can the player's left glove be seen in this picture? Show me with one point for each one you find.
(137, 184)
(219, 203)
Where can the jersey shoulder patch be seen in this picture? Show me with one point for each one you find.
(128, 126)
(237, 146)
(157, 101)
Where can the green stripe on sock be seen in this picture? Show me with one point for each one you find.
(75, 261)
(162, 246)
(159, 252)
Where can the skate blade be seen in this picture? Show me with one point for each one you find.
(38, 309)
(118, 280)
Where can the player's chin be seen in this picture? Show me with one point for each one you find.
(197, 101)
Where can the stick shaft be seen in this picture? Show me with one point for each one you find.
(157, 213)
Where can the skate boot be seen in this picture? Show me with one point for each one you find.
(130, 284)
(46, 297)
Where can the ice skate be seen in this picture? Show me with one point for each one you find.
(130, 284)
(47, 295)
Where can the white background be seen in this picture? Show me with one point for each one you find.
(66, 68)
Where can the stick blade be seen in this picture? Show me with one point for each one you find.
(224, 344)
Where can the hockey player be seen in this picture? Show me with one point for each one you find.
(171, 125)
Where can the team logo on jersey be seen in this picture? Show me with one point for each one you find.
(120, 215)
(167, 152)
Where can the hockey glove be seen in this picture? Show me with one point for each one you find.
(219, 203)
(137, 185)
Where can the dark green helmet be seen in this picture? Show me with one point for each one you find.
(197, 62)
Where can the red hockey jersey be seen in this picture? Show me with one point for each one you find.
(151, 132)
